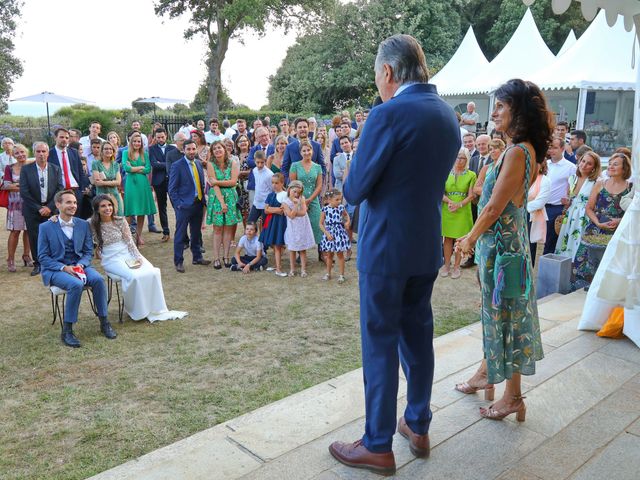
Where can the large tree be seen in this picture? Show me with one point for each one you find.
(494, 21)
(333, 68)
(10, 66)
(221, 20)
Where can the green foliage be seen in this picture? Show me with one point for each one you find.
(142, 108)
(495, 21)
(10, 66)
(82, 120)
(200, 100)
(329, 70)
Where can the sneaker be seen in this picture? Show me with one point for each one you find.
(303, 274)
(341, 279)
(326, 277)
(271, 269)
(234, 268)
(280, 274)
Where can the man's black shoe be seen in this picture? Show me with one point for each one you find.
(202, 261)
(35, 271)
(154, 229)
(180, 268)
(67, 336)
(106, 329)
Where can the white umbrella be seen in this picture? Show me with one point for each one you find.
(46, 98)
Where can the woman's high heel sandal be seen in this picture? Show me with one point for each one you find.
(11, 266)
(27, 261)
(489, 390)
(494, 414)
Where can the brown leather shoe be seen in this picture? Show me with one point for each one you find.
(356, 455)
(418, 444)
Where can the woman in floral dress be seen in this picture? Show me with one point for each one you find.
(604, 212)
(509, 314)
(576, 220)
(222, 208)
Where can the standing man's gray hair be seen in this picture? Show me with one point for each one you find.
(404, 55)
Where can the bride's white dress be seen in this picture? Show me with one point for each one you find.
(142, 287)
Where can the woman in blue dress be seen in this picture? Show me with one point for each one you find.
(509, 314)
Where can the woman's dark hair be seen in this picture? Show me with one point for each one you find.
(95, 218)
(531, 119)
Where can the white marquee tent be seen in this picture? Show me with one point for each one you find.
(568, 43)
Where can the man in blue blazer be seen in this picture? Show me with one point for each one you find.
(72, 175)
(160, 176)
(186, 191)
(292, 152)
(63, 245)
(398, 177)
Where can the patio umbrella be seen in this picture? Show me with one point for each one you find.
(46, 98)
(155, 100)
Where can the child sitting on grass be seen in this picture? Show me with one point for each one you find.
(253, 259)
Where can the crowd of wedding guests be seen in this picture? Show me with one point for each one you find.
(572, 196)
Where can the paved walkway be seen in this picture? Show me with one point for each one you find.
(583, 420)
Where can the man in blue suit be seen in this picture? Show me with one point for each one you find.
(292, 152)
(264, 143)
(62, 246)
(160, 176)
(186, 191)
(398, 177)
(72, 176)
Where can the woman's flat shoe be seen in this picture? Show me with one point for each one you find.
(280, 274)
(292, 273)
(227, 262)
(494, 414)
(326, 277)
(341, 279)
(27, 261)
(217, 265)
(444, 272)
(456, 273)
(464, 387)
(303, 274)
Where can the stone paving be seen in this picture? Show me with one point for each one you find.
(583, 420)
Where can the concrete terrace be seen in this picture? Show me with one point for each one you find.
(583, 420)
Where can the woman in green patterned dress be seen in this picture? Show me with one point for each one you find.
(222, 208)
(106, 176)
(511, 331)
(310, 174)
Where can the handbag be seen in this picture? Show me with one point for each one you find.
(557, 224)
(4, 198)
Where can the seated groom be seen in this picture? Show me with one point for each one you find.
(63, 246)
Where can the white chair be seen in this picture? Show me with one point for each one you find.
(58, 295)
(113, 279)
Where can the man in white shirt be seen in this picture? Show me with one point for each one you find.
(560, 169)
(94, 132)
(470, 118)
(186, 129)
(214, 133)
(262, 176)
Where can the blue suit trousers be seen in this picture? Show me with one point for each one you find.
(190, 217)
(74, 286)
(396, 323)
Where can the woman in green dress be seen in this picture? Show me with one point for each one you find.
(457, 220)
(106, 176)
(222, 208)
(310, 174)
(509, 314)
(138, 197)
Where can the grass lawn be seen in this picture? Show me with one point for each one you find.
(247, 341)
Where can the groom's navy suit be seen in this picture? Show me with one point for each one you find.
(398, 176)
(55, 251)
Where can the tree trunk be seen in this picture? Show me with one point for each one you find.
(214, 66)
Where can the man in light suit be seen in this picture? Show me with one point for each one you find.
(63, 245)
(398, 178)
(186, 191)
(72, 175)
(39, 183)
(292, 152)
(160, 176)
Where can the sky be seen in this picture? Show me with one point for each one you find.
(111, 52)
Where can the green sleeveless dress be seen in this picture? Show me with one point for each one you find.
(511, 331)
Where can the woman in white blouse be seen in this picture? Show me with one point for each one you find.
(538, 196)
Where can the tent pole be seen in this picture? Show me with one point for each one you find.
(48, 123)
(582, 107)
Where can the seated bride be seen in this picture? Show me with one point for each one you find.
(141, 281)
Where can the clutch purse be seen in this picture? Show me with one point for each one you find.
(133, 263)
(510, 276)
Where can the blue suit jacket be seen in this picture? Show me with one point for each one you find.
(74, 162)
(398, 176)
(182, 190)
(159, 172)
(292, 155)
(51, 241)
(251, 183)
